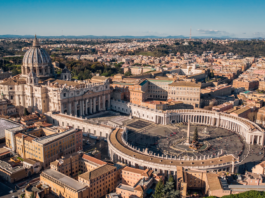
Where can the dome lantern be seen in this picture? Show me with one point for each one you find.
(36, 42)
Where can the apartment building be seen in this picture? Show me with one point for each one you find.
(261, 116)
(220, 90)
(191, 179)
(185, 91)
(262, 85)
(223, 107)
(100, 181)
(62, 185)
(135, 182)
(158, 88)
(259, 168)
(247, 84)
(161, 88)
(68, 165)
(75, 163)
(138, 93)
(88, 163)
(131, 176)
(12, 173)
(242, 112)
(44, 145)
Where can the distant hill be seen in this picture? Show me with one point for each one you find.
(104, 37)
(122, 37)
(89, 36)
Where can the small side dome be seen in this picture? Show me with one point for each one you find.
(66, 74)
(65, 70)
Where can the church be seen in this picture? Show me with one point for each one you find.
(38, 89)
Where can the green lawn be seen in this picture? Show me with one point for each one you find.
(146, 53)
(20, 159)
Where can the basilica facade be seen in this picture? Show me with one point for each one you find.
(37, 90)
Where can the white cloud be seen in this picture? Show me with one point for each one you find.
(259, 34)
(213, 32)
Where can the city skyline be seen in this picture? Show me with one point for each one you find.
(238, 19)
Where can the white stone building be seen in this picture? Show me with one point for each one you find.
(35, 90)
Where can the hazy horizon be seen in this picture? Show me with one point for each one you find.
(235, 19)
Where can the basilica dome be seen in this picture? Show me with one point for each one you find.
(37, 60)
(36, 56)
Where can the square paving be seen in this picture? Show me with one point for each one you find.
(158, 139)
(139, 124)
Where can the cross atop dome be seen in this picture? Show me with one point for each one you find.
(36, 42)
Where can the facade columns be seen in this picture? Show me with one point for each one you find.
(61, 107)
(81, 108)
(94, 105)
(75, 106)
(22, 100)
(108, 101)
(86, 100)
(70, 108)
(90, 105)
(104, 102)
(218, 122)
(99, 106)
(17, 100)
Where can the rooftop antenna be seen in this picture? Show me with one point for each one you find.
(190, 33)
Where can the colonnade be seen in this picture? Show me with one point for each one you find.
(86, 106)
(160, 120)
(250, 131)
(117, 154)
(222, 121)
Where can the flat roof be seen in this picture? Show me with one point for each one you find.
(50, 138)
(97, 172)
(126, 187)
(68, 181)
(158, 80)
(185, 84)
(7, 124)
(7, 167)
(213, 181)
(122, 83)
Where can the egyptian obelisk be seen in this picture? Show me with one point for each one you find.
(188, 132)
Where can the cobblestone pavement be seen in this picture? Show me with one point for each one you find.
(159, 138)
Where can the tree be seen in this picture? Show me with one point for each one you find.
(171, 179)
(248, 194)
(158, 190)
(169, 189)
(15, 72)
(128, 73)
(195, 136)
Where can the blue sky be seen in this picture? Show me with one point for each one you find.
(235, 18)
